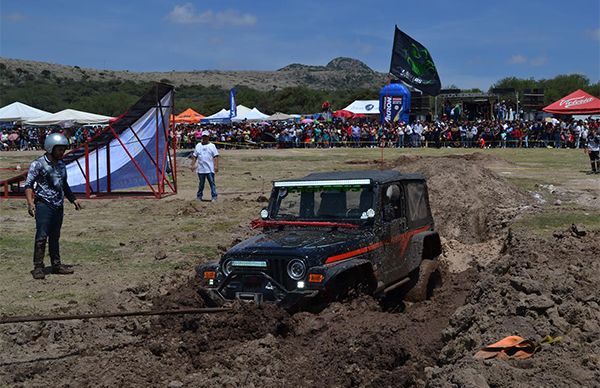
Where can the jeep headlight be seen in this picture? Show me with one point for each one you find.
(296, 269)
(227, 267)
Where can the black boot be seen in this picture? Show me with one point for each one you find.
(39, 251)
(61, 269)
(58, 268)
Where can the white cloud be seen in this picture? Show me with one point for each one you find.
(186, 14)
(516, 59)
(594, 34)
(522, 59)
(538, 61)
(14, 17)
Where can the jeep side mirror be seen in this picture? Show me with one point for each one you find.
(264, 214)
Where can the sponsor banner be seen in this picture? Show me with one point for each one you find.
(576, 101)
(232, 104)
(392, 108)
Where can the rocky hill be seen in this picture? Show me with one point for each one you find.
(340, 73)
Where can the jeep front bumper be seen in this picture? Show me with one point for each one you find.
(253, 286)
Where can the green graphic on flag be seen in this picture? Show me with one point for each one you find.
(412, 63)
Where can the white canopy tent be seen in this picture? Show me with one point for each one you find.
(243, 113)
(247, 114)
(17, 111)
(70, 117)
(223, 114)
(279, 117)
(365, 107)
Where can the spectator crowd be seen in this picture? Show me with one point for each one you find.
(32, 138)
(350, 133)
(368, 133)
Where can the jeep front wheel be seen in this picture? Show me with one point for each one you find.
(428, 279)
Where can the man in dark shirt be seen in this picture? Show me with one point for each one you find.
(593, 143)
(45, 188)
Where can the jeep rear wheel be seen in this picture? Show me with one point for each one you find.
(428, 279)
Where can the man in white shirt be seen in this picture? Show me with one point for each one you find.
(205, 160)
(417, 133)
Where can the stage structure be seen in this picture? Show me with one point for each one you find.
(136, 151)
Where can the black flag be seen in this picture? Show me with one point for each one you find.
(412, 63)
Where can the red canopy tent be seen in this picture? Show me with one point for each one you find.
(576, 103)
(189, 116)
(346, 114)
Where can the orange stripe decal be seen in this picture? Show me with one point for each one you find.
(403, 239)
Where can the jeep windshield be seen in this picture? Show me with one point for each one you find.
(333, 201)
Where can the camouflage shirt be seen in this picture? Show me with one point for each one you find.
(49, 182)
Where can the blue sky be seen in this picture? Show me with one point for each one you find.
(473, 43)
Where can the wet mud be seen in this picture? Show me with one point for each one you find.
(515, 284)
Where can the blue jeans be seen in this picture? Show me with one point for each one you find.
(416, 140)
(211, 181)
(48, 222)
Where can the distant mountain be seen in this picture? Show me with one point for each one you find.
(339, 74)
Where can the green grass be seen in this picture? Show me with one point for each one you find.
(55, 296)
(551, 220)
(92, 238)
(199, 250)
(12, 310)
(79, 252)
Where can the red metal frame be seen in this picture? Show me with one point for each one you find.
(160, 168)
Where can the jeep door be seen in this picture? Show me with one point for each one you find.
(394, 227)
(419, 220)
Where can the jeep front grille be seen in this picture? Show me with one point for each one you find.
(276, 268)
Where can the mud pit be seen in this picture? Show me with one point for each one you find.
(517, 284)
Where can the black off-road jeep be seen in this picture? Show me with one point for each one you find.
(328, 233)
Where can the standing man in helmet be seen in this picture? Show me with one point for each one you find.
(45, 189)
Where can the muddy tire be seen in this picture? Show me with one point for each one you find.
(428, 279)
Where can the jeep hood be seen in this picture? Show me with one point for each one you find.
(313, 242)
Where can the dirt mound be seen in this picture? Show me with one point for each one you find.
(470, 203)
(184, 295)
(539, 287)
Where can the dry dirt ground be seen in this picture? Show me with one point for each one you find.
(513, 265)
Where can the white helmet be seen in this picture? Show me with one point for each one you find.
(53, 140)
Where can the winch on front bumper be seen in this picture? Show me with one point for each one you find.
(254, 285)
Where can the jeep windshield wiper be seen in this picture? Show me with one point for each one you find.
(266, 223)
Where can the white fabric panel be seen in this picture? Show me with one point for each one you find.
(145, 128)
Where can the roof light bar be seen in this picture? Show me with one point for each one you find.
(323, 183)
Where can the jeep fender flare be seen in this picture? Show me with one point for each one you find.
(422, 246)
(335, 272)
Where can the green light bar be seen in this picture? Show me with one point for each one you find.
(323, 183)
(243, 263)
